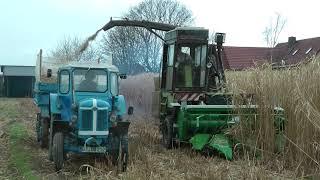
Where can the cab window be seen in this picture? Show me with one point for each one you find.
(169, 75)
(114, 84)
(90, 80)
(64, 82)
(190, 66)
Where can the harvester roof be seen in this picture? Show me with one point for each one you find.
(192, 34)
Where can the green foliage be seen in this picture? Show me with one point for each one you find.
(19, 157)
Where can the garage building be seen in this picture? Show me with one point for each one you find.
(18, 81)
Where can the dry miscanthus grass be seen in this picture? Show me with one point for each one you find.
(138, 92)
(297, 91)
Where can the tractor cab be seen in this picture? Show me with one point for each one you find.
(81, 82)
(188, 61)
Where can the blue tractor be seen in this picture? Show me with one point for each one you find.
(82, 112)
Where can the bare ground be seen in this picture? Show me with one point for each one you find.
(148, 160)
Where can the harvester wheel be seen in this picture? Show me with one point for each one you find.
(44, 133)
(57, 150)
(167, 133)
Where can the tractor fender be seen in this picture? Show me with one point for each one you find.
(120, 105)
(61, 105)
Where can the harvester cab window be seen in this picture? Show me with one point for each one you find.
(190, 66)
(90, 80)
(170, 58)
(64, 82)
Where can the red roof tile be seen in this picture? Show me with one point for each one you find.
(238, 58)
(298, 52)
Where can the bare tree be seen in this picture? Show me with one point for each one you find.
(68, 50)
(136, 49)
(273, 31)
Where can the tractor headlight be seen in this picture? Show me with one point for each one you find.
(113, 117)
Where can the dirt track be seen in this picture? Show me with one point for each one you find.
(148, 160)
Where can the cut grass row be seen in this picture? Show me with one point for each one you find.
(19, 157)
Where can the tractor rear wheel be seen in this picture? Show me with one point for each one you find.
(167, 133)
(123, 153)
(44, 133)
(120, 155)
(57, 150)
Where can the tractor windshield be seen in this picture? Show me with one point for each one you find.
(90, 80)
(190, 66)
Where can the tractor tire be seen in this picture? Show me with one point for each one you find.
(38, 127)
(57, 150)
(123, 158)
(44, 133)
(120, 155)
(50, 151)
(167, 133)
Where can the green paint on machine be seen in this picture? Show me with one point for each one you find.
(199, 141)
(218, 142)
(221, 143)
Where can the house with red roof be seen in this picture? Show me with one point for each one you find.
(286, 54)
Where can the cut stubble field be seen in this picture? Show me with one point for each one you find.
(297, 91)
(21, 157)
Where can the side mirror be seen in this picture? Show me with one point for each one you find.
(123, 76)
(130, 110)
(49, 73)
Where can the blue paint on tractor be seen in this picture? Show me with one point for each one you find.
(91, 121)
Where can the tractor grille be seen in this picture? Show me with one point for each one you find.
(87, 120)
(102, 120)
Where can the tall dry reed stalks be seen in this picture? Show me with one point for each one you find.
(138, 92)
(297, 91)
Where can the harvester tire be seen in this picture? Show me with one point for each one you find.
(57, 150)
(44, 135)
(167, 133)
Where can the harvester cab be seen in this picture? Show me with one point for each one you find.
(82, 112)
(190, 65)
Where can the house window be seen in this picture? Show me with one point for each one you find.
(295, 52)
(308, 50)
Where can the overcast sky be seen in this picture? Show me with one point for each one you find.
(28, 25)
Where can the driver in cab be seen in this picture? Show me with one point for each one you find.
(88, 84)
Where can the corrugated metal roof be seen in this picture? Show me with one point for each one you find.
(18, 70)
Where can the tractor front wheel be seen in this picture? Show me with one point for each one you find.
(167, 133)
(57, 150)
